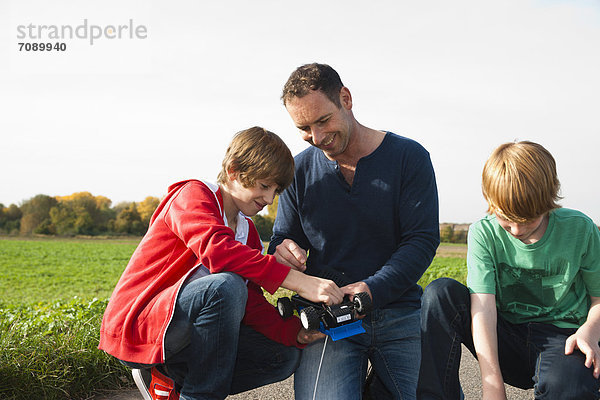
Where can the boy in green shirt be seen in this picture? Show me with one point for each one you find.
(531, 312)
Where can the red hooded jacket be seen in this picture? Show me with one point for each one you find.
(188, 229)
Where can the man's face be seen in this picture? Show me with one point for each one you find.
(321, 122)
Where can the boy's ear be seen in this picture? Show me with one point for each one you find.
(232, 175)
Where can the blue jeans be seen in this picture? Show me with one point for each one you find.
(391, 343)
(209, 353)
(530, 355)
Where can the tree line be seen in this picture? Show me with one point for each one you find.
(78, 214)
(83, 214)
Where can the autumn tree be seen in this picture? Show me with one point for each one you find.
(146, 209)
(129, 221)
(446, 234)
(449, 234)
(10, 218)
(62, 219)
(13, 219)
(80, 214)
(35, 212)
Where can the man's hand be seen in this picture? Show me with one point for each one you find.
(289, 253)
(305, 336)
(356, 287)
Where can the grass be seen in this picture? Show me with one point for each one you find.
(51, 270)
(49, 351)
(451, 267)
(54, 293)
(52, 297)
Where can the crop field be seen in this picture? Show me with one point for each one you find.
(51, 270)
(52, 296)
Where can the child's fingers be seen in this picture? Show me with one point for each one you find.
(570, 345)
(592, 355)
(588, 352)
(332, 291)
(589, 356)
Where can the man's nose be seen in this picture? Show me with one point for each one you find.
(317, 135)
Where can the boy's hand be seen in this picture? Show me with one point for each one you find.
(312, 288)
(320, 290)
(586, 338)
(289, 253)
(305, 336)
(584, 341)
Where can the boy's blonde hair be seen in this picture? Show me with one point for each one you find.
(519, 181)
(257, 153)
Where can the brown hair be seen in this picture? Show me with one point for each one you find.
(311, 77)
(519, 181)
(257, 153)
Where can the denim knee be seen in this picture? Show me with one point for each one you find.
(289, 359)
(566, 378)
(226, 289)
(230, 286)
(443, 291)
(231, 290)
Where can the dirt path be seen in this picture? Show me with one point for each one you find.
(452, 250)
(469, 376)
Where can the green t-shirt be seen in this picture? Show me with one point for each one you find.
(549, 281)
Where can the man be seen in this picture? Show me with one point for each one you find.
(362, 208)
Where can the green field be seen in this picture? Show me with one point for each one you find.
(51, 270)
(52, 296)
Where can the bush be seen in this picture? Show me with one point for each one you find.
(50, 351)
(264, 226)
(445, 267)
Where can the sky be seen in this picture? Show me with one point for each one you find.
(124, 117)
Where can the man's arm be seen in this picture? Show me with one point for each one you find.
(586, 338)
(484, 318)
(288, 243)
(418, 226)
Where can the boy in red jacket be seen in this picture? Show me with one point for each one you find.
(189, 306)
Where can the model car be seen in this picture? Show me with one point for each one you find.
(338, 321)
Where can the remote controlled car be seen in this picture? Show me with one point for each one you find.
(338, 321)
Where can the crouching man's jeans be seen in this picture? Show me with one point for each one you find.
(530, 355)
(391, 343)
(209, 353)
